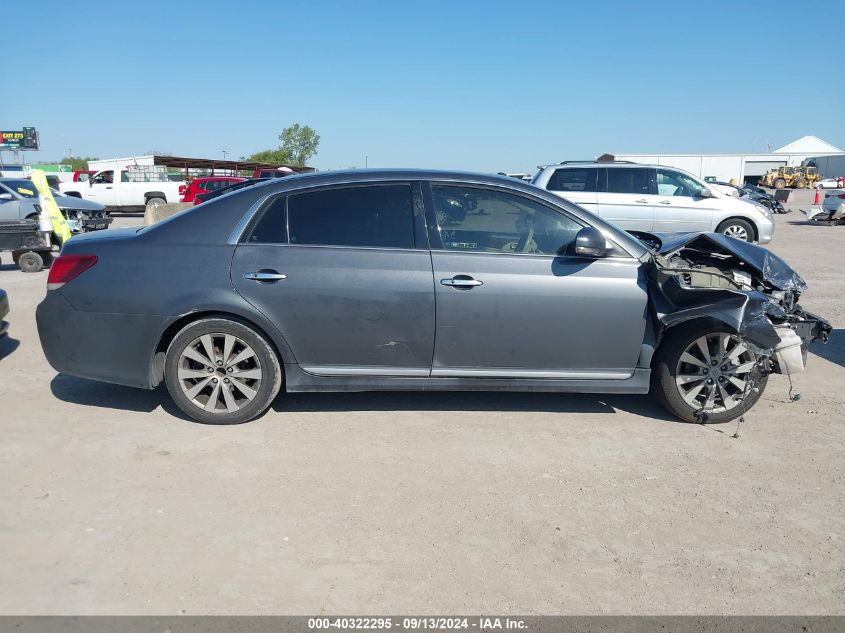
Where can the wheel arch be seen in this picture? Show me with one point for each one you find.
(154, 194)
(277, 342)
(673, 323)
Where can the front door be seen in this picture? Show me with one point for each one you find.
(345, 275)
(514, 302)
(679, 207)
(102, 188)
(625, 197)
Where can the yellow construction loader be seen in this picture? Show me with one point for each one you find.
(790, 177)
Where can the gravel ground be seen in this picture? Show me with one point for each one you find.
(423, 503)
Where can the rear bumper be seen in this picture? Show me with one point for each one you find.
(116, 348)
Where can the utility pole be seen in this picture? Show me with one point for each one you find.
(224, 154)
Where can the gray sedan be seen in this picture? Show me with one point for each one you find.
(419, 280)
(19, 201)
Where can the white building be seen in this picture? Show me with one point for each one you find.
(741, 167)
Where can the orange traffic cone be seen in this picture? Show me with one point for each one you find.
(817, 197)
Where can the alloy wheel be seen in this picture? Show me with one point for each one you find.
(714, 372)
(219, 373)
(736, 231)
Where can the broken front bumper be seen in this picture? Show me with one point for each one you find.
(86, 225)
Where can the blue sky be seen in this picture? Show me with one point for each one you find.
(484, 86)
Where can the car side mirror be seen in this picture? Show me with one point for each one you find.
(6, 196)
(590, 242)
(705, 193)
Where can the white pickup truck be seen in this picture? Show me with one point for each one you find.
(125, 189)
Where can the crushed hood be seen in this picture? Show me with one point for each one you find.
(771, 268)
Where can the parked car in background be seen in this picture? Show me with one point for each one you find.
(115, 189)
(4, 312)
(210, 195)
(82, 175)
(763, 198)
(207, 184)
(834, 204)
(419, 280)
(831, 183)
(19, 201)
(654, 198)
(276, 172)
(82, 215)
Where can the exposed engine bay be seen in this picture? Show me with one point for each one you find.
(740, 284)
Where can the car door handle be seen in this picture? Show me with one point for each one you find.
(265, 276)
(108, 187)
(461, 281)
(665, 202)
(641, 201)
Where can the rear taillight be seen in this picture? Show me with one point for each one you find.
(841, 196)
(182, 189)
(67, 267)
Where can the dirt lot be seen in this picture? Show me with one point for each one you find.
(423, 503)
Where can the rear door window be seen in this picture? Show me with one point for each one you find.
(628, 180)
(573, 179)
(375, 216)
(378, 216)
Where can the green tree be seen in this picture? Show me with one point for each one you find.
(273, 156)
(301, 142)
(299, 145)
(77, 162)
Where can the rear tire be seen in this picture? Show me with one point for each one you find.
(738, 229)
(152, 203)
(237, 385)
(30, 262)
(779, 183)
(800, 184)
(669, 369)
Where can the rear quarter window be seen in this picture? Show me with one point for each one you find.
(573, 179)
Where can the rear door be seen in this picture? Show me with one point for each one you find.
(345, 274)
(576, 184)
(679, 207)
(625, 197)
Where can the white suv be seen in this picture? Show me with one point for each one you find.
(655, 199)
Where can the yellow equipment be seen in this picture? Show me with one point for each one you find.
(790, 177)
(805, 177)
(50, 208)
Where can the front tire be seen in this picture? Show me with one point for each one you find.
(738, 229)
(704, 373)
(220, 371)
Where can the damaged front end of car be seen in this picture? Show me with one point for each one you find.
(742, 285)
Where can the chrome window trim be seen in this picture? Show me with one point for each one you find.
(237, 233)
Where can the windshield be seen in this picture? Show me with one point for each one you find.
(24, 188)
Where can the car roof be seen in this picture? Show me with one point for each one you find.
(620, 164)
(364, 175)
